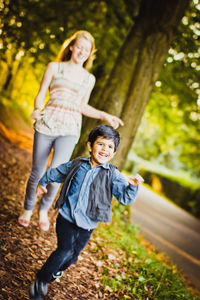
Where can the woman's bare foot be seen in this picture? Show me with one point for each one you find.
(43, 220)
(24, 218)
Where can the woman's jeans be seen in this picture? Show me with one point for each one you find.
(71, 240)
(63, 147)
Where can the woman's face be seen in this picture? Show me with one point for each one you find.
(80, 50)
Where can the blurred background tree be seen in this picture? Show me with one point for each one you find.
(169, 132)
(147, 68)
(31, 33)
(136, 69)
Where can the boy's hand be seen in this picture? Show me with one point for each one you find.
(135, 179)
(41, 190)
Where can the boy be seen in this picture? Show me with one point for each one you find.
(85, 199)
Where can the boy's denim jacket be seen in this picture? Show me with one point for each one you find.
(100, 196)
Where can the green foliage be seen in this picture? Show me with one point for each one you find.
(32, 31)
(136, 164)
(31, 34)
(169, 131)
(136, 271)
(38, 28)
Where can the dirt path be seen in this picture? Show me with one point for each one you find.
(23, 250)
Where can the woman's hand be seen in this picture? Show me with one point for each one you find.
(89, 111)
(41, 190)
(112, 120)
(36, 114)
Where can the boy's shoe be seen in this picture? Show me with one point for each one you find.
(38, 290)
(58, 274)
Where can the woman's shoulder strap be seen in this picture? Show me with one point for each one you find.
(59, 67)
(86, 76)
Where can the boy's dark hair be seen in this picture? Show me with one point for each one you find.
(106, 131)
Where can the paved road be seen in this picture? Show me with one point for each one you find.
(171, 230)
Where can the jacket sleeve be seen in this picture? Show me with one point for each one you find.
(124, 192)
(55, 174)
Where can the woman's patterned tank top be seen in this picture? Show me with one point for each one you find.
(61, 115)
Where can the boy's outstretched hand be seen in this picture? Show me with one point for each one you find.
(41, 190)
(134, 179)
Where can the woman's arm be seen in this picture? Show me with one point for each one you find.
(89, 111)
(46, 80)
(92, 112)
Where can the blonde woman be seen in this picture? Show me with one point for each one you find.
(58, 124)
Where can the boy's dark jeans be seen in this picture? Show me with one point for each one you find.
(71, 240)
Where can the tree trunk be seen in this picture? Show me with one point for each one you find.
(13, 67)
(136, 70)
(8, 78)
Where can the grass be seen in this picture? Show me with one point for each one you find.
(131, 268)
(184, 178)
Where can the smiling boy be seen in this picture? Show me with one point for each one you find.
(85, 200)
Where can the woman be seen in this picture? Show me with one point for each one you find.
(58, 125)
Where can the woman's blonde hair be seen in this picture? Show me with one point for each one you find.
(65, 52)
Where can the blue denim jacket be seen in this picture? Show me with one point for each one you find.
(74, 210)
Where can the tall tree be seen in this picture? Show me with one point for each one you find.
(136, 69)
(36, 29)
(173, 112)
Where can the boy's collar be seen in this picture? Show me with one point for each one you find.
(105, 166)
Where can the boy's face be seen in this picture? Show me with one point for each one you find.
(102, 151)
